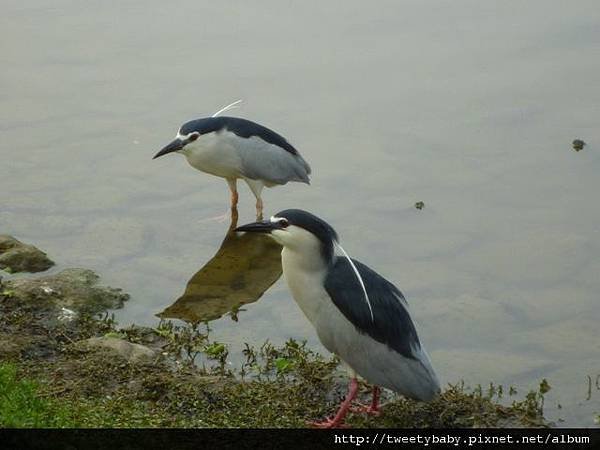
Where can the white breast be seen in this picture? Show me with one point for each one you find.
(215, 153)
(305, 276)
(305, 280)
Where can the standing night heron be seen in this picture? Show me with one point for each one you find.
(358, 314)
(233, 148)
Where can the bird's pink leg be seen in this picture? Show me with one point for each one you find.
(234, 219)
(373, 408)
(234, 193)
(234, 200)
(259, 208)
(375, 401)
(338, 420)
(256, 186)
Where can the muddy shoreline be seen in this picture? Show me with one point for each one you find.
(57, 331)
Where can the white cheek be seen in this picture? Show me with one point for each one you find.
(190, 147)
(279, 236)
(296, 239)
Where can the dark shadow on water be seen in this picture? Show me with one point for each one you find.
(245, 266)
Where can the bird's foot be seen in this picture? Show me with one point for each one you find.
(366, 409)
(329, 422)
(338, 420)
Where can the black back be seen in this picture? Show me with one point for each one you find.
(392, 324)
(240, 127)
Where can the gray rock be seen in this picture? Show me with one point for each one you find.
(11, 345)
(134, 353)
(73, 289)
(16, 256)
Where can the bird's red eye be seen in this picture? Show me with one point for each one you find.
(193, 137)
(284, 223)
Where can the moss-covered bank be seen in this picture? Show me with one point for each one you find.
(66, 365)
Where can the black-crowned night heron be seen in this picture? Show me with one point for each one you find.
(358, 314)
(233, 148)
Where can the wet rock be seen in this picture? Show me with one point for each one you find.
(146, 336)
(578, 144)
(242, 270)
(11, 345)
(16, 256)
(133, 353)
(75, 290)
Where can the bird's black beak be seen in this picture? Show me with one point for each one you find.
(264, 226)
(177, 144)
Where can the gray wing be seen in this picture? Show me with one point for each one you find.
(391, 323)
(269, 162)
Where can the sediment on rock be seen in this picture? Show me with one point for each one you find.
(15, 256)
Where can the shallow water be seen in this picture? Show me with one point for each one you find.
(468, 107)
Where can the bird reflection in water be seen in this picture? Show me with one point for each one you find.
(245, 266)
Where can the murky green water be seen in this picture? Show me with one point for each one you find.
(468, 107)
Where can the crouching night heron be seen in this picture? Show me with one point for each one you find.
(233, 148)
(358, 314)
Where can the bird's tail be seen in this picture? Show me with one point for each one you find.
(305, 169)
(431, 388)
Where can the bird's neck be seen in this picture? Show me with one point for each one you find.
(305, 275)
(303, 259)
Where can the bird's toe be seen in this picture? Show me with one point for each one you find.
(366, 409)
(327, 423)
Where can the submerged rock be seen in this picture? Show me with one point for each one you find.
(578, 144)
(245, 266)
(74, 290)
(15, 256)
(11, 345)
(131, 352)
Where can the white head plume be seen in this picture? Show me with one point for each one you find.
(228, 107)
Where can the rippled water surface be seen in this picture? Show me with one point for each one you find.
(470, 107)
